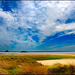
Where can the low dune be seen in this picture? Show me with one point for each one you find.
(61, 61)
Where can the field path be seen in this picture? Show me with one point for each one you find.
(61, 61)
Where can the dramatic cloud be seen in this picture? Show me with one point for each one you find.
(27, 24)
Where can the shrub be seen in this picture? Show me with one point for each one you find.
(61, 69)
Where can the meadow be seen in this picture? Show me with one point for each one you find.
(28, 65)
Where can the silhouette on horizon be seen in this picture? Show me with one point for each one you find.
(6, 51)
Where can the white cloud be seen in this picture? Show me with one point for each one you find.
(7, 17)
(60, 10)
(64, 27)
(41, 13)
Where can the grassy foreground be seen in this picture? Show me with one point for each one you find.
(27, 65)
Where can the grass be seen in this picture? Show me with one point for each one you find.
(27, 65)
(49, 57)
(61, 69)
(15, 65)
(39, 57)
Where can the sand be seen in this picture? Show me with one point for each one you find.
(61, 61)
(22, 54)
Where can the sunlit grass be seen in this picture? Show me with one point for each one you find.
(28, 64)
(61, 69)
(49, 57)
(38, 57)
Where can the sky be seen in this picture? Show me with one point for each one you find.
(37, 25)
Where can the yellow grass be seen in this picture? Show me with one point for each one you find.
(24, 65)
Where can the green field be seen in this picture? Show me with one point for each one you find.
(48, 57)
(41, 57)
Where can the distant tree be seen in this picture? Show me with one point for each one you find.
(6, 51)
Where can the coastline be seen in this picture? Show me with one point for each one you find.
(38, 53)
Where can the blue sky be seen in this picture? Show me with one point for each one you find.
(37, 25)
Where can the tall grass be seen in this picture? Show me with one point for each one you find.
(24, 65)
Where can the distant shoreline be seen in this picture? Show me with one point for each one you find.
(38, 53)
